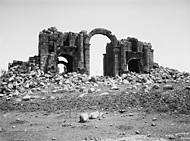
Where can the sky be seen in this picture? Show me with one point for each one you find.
(163, 23)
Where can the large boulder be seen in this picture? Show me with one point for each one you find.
(83, 117)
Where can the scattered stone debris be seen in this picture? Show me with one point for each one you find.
(21, 86)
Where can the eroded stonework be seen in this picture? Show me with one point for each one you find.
(121, 55)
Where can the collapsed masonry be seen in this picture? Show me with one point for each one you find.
(121, 55)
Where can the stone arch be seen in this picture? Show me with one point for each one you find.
(102, 31)
(113, 46)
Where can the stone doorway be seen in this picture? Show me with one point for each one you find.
(134, 65)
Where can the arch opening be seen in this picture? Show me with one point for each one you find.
(134, 65)
(97, 51)
(65, 63)
(107, 57)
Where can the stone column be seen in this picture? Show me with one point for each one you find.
(81, 51)
(123, 58)
(87, 58)
(116, 56)
(104, 64)
(146, 59)
(43, 50)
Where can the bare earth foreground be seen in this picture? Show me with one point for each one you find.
(132, 107)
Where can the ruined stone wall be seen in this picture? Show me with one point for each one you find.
(121, 55)
(134, 50)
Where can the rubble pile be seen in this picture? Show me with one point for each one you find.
(131, 88)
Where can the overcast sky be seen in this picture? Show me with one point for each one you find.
(163, 23)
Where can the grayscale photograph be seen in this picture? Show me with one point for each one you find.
(94, 70)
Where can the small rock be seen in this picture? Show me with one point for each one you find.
(1, 129)
(52, 97)
(137, 132)
(43, 98)
(168, 87)
(153, 124)
(93, 79)
(101, 115)
(53, 138)
(105, 93)
(154, 119)
(130, 114)
(27, 85)
(188, 87)
(21, 89)
(123, 76)
(155, 86)
(95, 85)
(83, 117)
(114, 87)
(81, 95)
(82, 89)
(44, 92)
(100, 118)
(10, 85)
(1, 95)
(122, 111)
(170, 136)
(16, 93)
(91, 90)
(26, 97)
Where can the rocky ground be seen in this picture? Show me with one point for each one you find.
(75, 107)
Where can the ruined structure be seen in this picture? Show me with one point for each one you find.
(121, 55)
